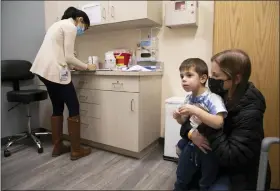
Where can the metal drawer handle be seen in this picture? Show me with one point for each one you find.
(82, 82)
(85, 125)
(83, 97)
(131, 103)
(104, 13)
(83, 111)
(118, 84)
(112, 11)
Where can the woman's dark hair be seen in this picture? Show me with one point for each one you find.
(235, 62)
(68, 13)
(72, 12)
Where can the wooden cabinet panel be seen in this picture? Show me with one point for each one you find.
(254, 27)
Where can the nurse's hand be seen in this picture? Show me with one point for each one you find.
(91, 67)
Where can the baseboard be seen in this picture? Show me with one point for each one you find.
(173, 159)
(137, 155)
(167, 158)
(161, 141)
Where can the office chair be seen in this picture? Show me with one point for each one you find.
(14, 71)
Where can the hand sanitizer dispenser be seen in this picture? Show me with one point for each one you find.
(181, 13)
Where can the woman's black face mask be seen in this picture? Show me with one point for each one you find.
(217, 86)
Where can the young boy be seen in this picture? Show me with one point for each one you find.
(201, 106)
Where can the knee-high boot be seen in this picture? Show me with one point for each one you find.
(75, 138)
(57, 130)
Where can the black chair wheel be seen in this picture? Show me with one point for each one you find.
(40, 150)
(7, 153)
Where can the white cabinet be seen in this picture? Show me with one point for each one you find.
(111, 14)
(120, 117)
(119, 11)
(133, 14)
(118, 111)
(96, 11)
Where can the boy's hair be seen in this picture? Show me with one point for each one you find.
(199, 66)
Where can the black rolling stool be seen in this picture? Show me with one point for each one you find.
(14, 71)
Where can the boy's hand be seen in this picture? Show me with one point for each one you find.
(187, 110)
(176, 114)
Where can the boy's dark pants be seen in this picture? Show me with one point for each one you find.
(191, 160)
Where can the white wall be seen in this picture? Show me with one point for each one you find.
(22, 32)
(175, 45)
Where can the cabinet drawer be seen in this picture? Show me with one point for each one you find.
(89, 110)
(119, 84)
(88, 96)
(91, 129)
(84, 82)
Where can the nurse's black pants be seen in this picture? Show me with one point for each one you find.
(60, 94)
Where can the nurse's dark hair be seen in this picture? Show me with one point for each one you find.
(72, 12)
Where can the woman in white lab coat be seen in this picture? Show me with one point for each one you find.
(52, 65)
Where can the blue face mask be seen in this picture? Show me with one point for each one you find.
(80, 31)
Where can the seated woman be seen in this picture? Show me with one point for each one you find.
(238, 144)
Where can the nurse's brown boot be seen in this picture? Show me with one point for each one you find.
(57, 130)
(75, 138)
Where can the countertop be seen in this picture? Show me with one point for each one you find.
(117, 73)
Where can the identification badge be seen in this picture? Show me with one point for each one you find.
(64, 74)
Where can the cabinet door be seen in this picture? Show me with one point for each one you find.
(120, 117)
(126, 10)
(97, 11)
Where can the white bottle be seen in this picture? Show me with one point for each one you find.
(132, 60)
(110, 60)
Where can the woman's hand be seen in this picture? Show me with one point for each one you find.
(200, 141)
(91, 67)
